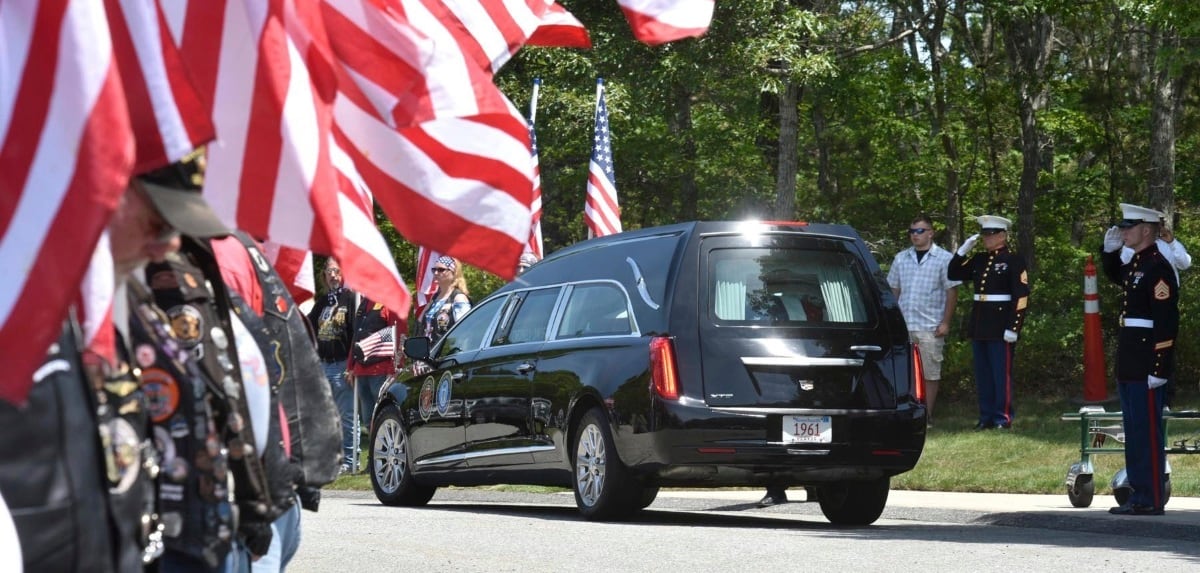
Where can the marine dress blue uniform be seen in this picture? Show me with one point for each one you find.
(1001, 297)
(1149, 323)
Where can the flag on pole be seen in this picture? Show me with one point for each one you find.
(377, 346)
(535, 231)
(659, 21)
(601, 211)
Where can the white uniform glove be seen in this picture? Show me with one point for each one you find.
(968, 245)
(1010, 336)
(1112, 239)
(1154, 381)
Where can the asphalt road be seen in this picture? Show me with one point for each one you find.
(476, 530)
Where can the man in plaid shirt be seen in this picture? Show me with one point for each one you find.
(918, 278)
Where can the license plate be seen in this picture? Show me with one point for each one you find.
(807, 430)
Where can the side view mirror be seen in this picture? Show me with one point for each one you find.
(417, 348)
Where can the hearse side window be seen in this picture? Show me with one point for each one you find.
(597, 309)
(786, 287)
(532, 319)
(469, 332)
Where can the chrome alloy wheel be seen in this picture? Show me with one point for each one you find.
(390, 455)
(590, 460)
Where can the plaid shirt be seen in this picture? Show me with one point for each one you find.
(922, 285)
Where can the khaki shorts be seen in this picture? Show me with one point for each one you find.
(931, 352)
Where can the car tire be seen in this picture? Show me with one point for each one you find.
(854, 503)
(390, 463)
(646, 496)
(603, 489)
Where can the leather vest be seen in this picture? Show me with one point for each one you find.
(188, 287)
(314, 430)
(51, 468)
(193, 491)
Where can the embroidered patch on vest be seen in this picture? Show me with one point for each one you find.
(1162, 290)
(162, 394)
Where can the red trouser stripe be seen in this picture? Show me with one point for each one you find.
(1156, 448)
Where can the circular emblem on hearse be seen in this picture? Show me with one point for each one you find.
(443, 394)
(425, 400)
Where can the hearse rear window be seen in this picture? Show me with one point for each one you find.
(786, 287)
(596, 309)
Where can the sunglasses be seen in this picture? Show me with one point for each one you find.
(918, 231)
(439, 269)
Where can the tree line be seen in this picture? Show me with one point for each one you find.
(869, 112)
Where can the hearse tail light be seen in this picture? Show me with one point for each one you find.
(663, 373)
(918, 374)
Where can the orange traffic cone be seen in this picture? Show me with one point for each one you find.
(1095, 387)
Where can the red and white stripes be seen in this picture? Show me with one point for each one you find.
(66, 151)
(659, 21)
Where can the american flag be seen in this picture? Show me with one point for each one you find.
(559, 28)
(535, 233)
(66, 154)
(379, 345)
(601, 211)
(658, 21)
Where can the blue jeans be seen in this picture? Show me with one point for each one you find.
(285, 540)
(343, 396)
(368, 390)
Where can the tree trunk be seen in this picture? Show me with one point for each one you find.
(1029, 40)
(826, 182)
(789, 134)
(1164, 102)
(682, 127)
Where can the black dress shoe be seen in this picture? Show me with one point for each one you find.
(983, 426)
(1135, 509)
(773, 497)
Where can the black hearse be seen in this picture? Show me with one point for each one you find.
(693, 355)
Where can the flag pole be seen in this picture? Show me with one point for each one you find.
(537, 87)
(596, 108)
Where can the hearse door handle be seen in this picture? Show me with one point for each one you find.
(457, 376)
(525, 368)
(865, 348)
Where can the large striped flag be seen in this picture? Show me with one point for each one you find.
(170, 120)
(277, 170)
(66, 153)
(601, 211)
(659, 21)
(446, 154)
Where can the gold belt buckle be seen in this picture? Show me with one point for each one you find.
(983, 298)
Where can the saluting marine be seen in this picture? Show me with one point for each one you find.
(1149, 323)
(1001, 298)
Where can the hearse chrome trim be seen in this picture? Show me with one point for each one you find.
(641, 283)
(484, 454)
(799, 361)
(757, 411)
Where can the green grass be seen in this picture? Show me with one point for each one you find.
(1033, 457)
